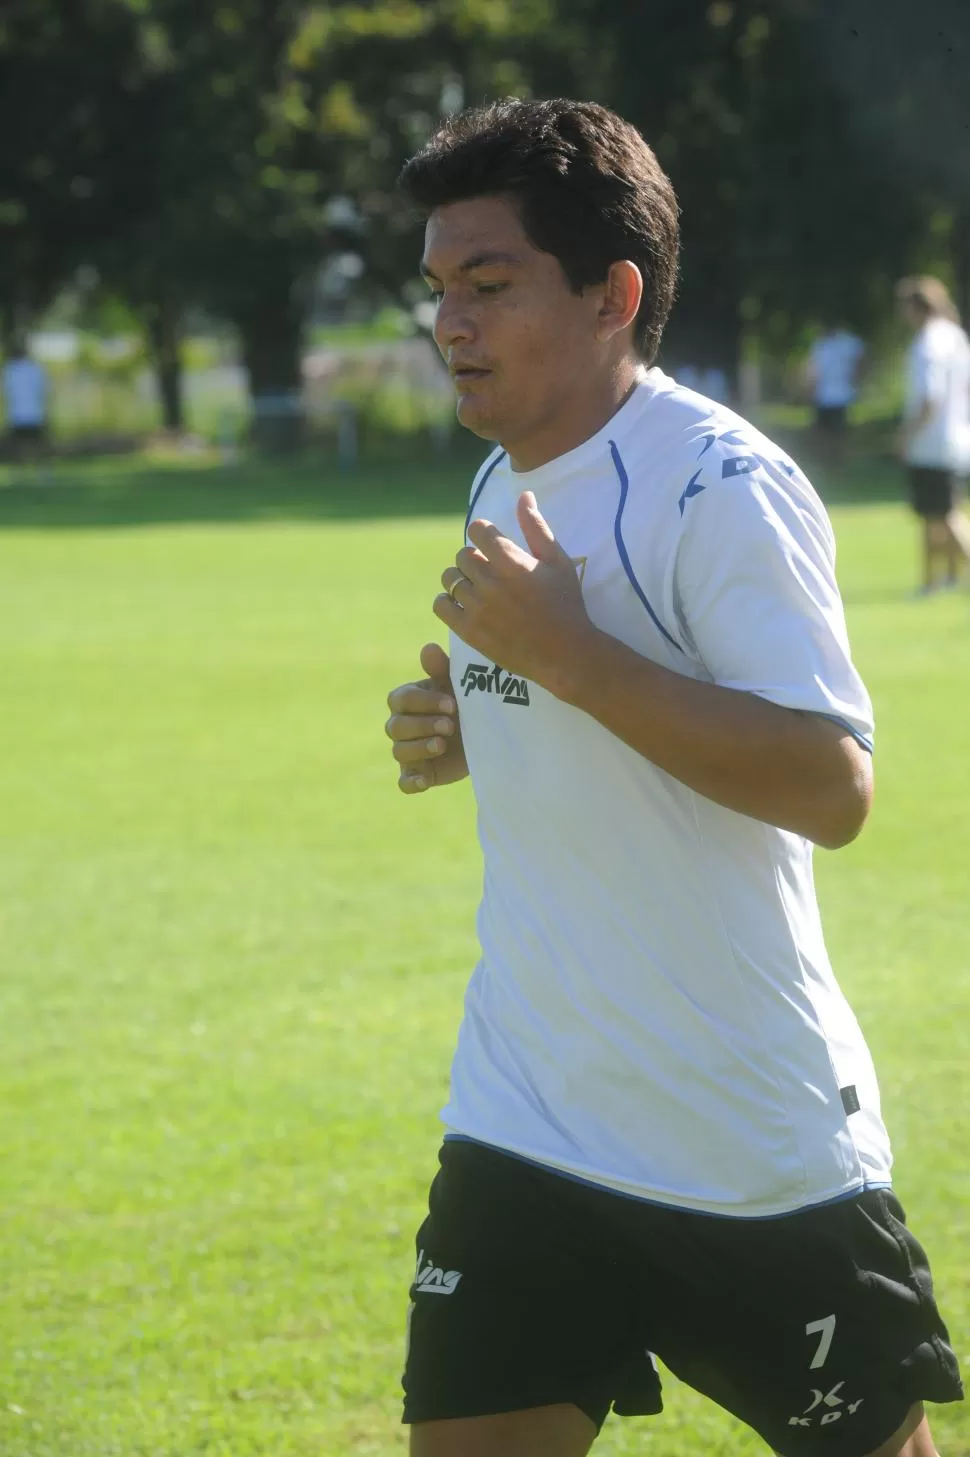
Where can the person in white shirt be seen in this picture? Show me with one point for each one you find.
(712, 382)
(663, 1132)
(25, 393)
(935, 444)
(690, 376)
(834, 365)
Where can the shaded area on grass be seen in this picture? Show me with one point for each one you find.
(389, 483)
(145, 493)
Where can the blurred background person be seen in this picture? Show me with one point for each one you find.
(833, 373)
(935, 440)
(689, 376)
(25, 400)
(712, 382)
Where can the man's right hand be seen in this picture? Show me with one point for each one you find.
(424, 728)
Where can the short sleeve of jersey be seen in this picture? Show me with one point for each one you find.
(756, 596)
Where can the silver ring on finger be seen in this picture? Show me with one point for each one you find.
(459, 580)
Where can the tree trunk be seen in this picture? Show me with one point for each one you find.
(272, 339)
(163, 332)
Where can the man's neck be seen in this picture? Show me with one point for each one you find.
(579, 420)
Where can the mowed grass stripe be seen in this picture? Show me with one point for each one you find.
(234, 959)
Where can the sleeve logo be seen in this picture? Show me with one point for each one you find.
(731, 465)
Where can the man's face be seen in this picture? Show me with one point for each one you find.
(518, 342)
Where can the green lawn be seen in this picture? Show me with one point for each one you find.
(233, 955)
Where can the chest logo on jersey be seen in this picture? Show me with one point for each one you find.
(482, 678)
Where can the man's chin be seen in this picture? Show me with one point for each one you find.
(476, 417)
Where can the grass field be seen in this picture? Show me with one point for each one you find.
(233, 956)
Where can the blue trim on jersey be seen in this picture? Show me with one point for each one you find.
(480, 488)
(661, 1203)
(621, 547)
(861, 739)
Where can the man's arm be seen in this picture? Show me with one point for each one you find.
(424, 727)
(911, 428)
(798, 771)
(925, 391)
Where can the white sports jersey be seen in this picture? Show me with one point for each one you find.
(835, 358)
(654, 1010)
(938, 371)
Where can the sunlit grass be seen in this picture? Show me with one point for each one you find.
(233, 957)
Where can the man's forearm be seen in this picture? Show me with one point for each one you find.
(924, 415)
(794, 770)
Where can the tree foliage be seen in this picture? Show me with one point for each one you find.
(67, 152)
(194, 153)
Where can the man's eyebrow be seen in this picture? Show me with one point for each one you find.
(477, 260)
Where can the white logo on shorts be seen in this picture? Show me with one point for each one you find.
(830, 1399)
(432, 1280)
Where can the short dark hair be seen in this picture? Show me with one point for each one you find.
(587, 187)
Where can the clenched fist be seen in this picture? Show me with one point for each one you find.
(424, 727)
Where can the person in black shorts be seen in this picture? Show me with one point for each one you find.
(818, 1329)
(834, 367)
(663, 1136)
(935, 443)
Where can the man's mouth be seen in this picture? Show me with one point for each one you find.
(468, 373)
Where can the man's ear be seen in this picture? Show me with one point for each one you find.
(622, 295)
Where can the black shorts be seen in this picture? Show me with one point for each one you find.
(933, 492)
(28, 432)
(831, 418)
(818, 1329)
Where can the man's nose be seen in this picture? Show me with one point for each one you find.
(452, 324)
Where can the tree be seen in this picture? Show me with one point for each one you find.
(787, 216)
(196, 154)
(902, 70)
(64, 142)
(255, 117)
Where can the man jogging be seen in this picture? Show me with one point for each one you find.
(663, 1133)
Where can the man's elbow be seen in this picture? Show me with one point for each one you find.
(849, 801)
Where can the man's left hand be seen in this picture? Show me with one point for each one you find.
(521, 609)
